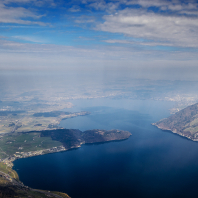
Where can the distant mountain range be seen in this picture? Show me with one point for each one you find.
(184, 122)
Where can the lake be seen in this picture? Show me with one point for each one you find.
(151, 163)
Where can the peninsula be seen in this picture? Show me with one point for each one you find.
(184, 122)
(22, 145)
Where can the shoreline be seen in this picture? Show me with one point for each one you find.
(178, 133)
(19, 155)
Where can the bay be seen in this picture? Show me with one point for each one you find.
(151, 163)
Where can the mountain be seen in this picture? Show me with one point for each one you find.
(184, 122)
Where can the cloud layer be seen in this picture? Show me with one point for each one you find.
(19, 14)
(155, 22)
(139, 36)
(150, 26)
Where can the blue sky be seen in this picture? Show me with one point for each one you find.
(130, 34)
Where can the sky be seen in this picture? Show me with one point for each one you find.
(153, 39)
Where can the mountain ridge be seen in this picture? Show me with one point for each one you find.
(184, 122)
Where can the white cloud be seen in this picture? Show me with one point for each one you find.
(16, 1)
(74, 8)
(35, 2)
(97, 53)
(85, 19)
(174, 6)
(137, 43)
(141, 63)
(119, 41)
(104, 52)
(176, 30)
(102, 5)
(171, 5)
(173, 23)
(98, 5)
(18, 15)
(30, 38)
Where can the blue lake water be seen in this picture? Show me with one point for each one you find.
(151, 163)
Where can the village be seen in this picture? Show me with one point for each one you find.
(9, 160)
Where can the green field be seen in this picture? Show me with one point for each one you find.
(26, 121)
(4, 168)
(25, 142)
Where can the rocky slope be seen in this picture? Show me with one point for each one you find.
(184, 122)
